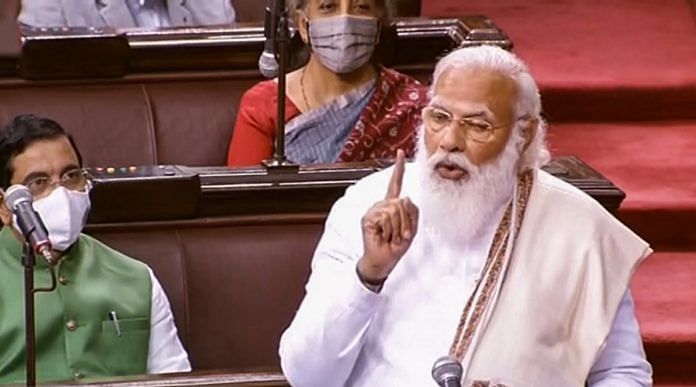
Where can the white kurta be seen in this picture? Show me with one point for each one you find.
(345, 335)
(165, 354)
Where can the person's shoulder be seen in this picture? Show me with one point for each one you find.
(259, 101)
(570, 202)
(402, 80)
(91, 245)
(558, 191)
(263, 90)
(560, 187)
(405, 86)
(567, 210)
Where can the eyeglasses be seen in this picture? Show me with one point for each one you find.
(436, 120)
(74, 180)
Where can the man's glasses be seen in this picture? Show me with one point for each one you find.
(74, 180)
(436, 119)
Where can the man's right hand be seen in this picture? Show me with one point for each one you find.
(388, 228)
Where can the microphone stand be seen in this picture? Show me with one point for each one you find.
(29, 261)
(280, 31)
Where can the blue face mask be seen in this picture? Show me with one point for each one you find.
(343, 43)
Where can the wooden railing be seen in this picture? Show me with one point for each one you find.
(64, 53)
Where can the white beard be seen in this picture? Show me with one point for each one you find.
(457, 211)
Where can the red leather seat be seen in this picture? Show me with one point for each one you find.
(150, 121)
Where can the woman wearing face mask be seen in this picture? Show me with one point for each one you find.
(340, 106)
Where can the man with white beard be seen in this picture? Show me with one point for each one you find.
(473, 252)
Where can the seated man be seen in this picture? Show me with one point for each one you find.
(109, 315)
(125, 13)
(474, 253)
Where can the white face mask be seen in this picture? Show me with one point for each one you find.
(64, 212)
(343, 43)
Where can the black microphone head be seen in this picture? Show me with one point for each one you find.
(445, 369)
(15, 195)
(268, 65)
(28, 220)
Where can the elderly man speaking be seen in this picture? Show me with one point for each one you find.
(474, 252)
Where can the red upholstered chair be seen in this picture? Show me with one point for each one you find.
(407, 8)
(9, 9)
(249, 10)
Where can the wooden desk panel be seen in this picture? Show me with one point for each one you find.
(222, 378)
(254, 191)
(408, 45)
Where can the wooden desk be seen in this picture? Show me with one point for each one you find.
(199, 192)
(221, 378)
(90, 52)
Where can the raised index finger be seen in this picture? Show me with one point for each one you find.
(397, 178)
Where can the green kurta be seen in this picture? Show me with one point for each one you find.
(74, 334)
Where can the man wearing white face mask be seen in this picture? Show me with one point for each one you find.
(341, 106)
(109, 315)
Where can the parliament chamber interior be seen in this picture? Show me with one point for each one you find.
(152, 112)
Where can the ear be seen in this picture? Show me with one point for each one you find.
(302, 23)
(5, 214)
(529, 132)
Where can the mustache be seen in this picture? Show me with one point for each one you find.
(459, 160)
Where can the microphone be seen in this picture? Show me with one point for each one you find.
(18, 200)
(268, 65)
(447, 372)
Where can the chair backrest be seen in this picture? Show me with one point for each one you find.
(249, 10)
(152, 121)
(9, 9)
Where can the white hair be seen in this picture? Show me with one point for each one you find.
(528, 104)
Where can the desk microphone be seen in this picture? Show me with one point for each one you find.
(18, 200)
(268, 65)
(447, 372)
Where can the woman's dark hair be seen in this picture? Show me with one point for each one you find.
(23, 131)
(383, 5)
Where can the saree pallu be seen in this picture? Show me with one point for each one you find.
(390, 120)
(317, 136)
(371, 122)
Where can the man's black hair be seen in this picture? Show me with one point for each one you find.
(23, 131)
